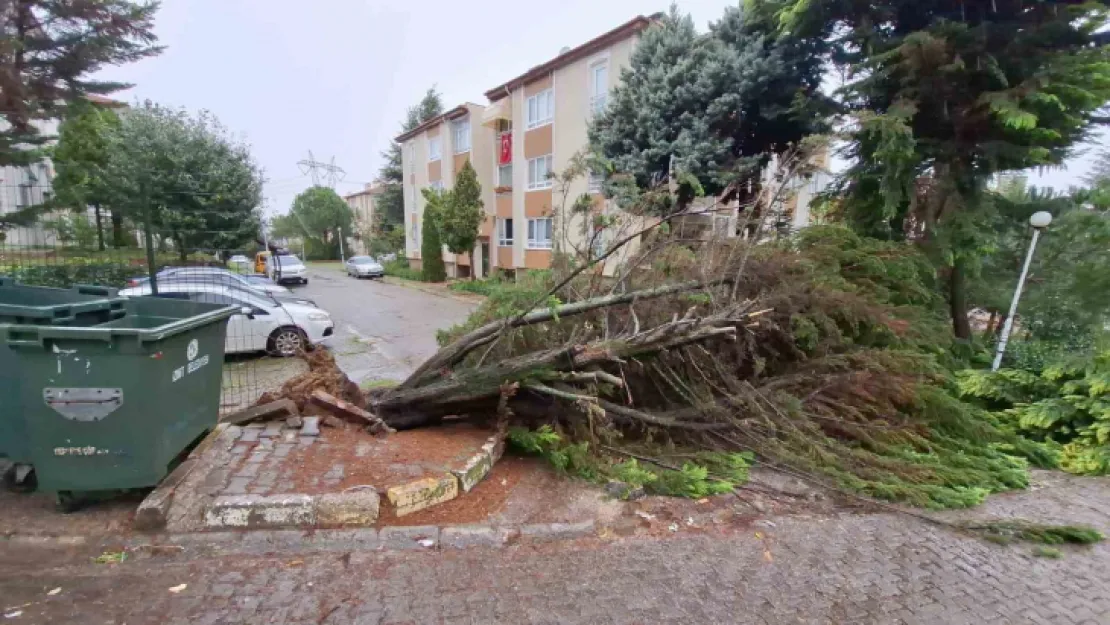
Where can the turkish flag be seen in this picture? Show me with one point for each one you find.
(505, 155)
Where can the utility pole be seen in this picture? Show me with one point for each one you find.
(342, 257)
(1040, 220)
(329, 172)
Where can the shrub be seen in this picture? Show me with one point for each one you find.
(400, 269)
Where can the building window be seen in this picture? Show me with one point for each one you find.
(505, 176)
(437, 185)
(597, 246)
(539, 173)
(539, 233)
(435, 151)
(505, 232)
(462, 136)
(599, 87)
(593, 185)
(541, 109)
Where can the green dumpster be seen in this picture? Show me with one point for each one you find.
(46, 306)
(110, 406)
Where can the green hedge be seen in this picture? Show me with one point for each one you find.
(66, 275)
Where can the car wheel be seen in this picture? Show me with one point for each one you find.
(287, 342)
(305, 281)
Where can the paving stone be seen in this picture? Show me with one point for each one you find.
(356, 507)
(249, 470)
(337, 471)
(358, 539)
(288, 436)
(281, 450)
(311, 426)
(463, 536)
(420, 494)
(237, 486)
(249, 435)
(294, 421)
(272, 429)
(305, 441)
(255, 511)
(258, 456)
(557, 531)
(413, 537)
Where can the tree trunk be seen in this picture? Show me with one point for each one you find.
(991, 324)
(473, 267)
(117, 230)
(99, 228)
(957, 300)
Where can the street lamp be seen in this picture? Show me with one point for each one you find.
(1039, 221)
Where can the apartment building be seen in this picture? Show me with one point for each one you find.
(533, 128)
(363, 204)
(540, 119)
(431, 155)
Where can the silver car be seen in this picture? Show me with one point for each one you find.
(364, 267)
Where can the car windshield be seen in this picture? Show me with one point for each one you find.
(288, 260)
(362, 260)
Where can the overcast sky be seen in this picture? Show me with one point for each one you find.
(335, 76)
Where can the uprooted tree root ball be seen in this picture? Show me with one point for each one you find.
(323, 374)
(824, 354)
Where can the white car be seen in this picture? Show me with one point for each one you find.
(221, 276)
(364, 267)
(287, 268)
(263, 323)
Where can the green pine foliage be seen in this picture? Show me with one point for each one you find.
(1006, 532)
(431, 245)
(708, 473)
(461, 213)
(1067, 406)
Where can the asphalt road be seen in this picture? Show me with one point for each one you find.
(382, 331)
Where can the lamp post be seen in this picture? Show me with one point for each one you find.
(1039, 221)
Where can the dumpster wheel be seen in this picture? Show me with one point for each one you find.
(67, 501)
(20, 478)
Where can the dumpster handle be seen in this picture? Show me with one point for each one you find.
(29, 336)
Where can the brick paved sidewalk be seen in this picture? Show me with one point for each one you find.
(843, 569)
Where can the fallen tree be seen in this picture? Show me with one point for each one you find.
(823, 354)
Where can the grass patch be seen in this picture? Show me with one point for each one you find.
(333, 265)
(1047, 552)
(400, 269)
(706, 473)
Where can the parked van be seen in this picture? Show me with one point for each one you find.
(260, 262)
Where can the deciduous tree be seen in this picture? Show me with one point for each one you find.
(80, 158)
(321, 215)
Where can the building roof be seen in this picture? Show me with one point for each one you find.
(455, 113)
(624, 31)
(374, 188)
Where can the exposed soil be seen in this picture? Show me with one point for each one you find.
(323, 374)
(382, 461)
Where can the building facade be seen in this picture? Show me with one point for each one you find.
(431, 155)
(363, 204)
(528, 146)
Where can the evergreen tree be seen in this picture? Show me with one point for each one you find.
(462, 214)
(49, 49)
(391, 203)
(80, 158)
(431, 245)
(952, 92)
(714, 107)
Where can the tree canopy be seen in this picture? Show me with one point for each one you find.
(461, 213)
(319, 214)
(49, 50)
(80, 158)
(432, 268)
(391, 203)
(712, 107)
(200, 187)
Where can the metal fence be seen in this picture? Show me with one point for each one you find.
(62, 248)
